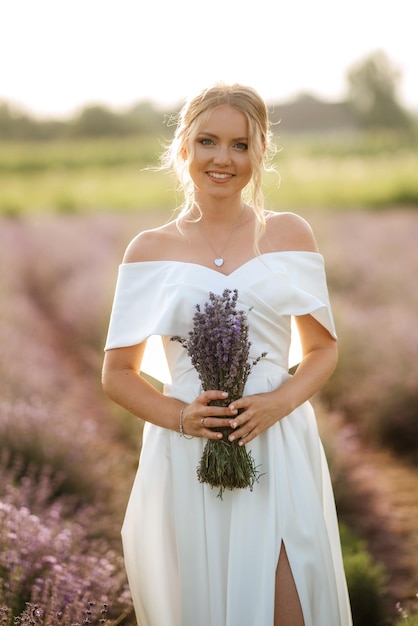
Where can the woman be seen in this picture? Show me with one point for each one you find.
(271, 555)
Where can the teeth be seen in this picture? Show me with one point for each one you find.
(218, 175)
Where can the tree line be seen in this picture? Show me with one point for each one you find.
(92, 121)
(372, 102)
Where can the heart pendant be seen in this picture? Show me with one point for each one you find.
(219, 261)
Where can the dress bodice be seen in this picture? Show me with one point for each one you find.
(159, 298)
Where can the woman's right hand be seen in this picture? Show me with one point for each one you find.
(199, 418)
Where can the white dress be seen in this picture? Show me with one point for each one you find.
(193, 559)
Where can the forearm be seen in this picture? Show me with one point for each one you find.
(131, 391)
(313, 372)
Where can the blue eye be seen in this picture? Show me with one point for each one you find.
(241, 146)
(206, 142)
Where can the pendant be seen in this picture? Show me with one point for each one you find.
(219, 261)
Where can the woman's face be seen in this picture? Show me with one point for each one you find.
(220, 164)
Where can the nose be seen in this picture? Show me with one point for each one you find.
(222, 156)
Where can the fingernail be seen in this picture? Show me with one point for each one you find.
(231, 438)
(219, 435)
(233, 424)
(224, 394)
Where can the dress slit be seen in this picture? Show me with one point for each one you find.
(288, 607)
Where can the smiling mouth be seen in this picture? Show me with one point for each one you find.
(219, 175)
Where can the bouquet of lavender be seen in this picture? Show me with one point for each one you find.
(218, 346)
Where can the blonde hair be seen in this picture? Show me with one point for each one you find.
(190, 120)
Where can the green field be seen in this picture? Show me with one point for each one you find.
(112, 174)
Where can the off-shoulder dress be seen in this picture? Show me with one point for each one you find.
(193, 559)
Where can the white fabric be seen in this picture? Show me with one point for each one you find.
(193, 559)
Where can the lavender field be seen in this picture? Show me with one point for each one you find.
(68, 456)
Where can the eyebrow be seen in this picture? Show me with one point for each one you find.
(207, 134)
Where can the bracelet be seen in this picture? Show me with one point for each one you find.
(182, 433)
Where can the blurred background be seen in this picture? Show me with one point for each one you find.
(88, 92)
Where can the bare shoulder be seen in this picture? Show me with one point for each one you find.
(289, 231)
(151, 245)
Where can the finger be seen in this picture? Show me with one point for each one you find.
(211, 422)
(208, 424)
(212, 434)
(213, 394)
(218, 412)
(246, 437)
(244, 432)
(241, 404)
(215, 410)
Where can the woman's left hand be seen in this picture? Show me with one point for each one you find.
(256, 414)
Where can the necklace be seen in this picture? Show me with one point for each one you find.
(219, 260)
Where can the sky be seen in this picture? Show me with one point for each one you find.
(56, 56)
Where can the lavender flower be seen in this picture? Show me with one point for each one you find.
(219, 348)
(54, 561)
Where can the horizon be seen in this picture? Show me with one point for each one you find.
(121, 109)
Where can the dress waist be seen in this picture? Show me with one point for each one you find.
(265, 377)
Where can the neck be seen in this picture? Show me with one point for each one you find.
(220, 229)
(219, 217)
